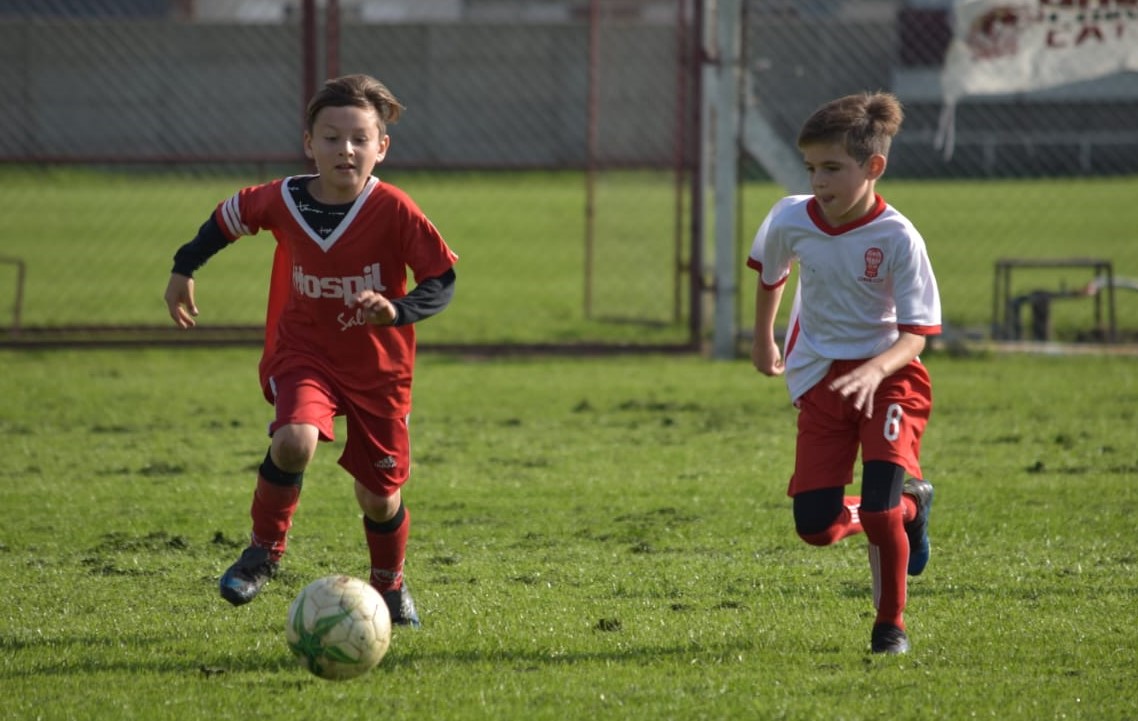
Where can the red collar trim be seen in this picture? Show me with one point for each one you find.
(815, 212)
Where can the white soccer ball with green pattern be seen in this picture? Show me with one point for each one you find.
(338, 627)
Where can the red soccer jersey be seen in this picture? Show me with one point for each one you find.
(309, 320)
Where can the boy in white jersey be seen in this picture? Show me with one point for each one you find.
(866, 300)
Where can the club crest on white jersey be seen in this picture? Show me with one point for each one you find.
(874, 257)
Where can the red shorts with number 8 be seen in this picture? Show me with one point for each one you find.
(831, 430)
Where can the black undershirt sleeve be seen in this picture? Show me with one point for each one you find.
(206, 244)
(429, 297)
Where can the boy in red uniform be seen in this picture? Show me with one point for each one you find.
(866, 301)
(339, 334)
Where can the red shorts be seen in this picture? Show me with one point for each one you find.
(831, 430)
(377, 452)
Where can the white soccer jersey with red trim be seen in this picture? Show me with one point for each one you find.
(859, 285)
(309, 320)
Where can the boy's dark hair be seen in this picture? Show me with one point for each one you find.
(360, 91)
(864, 124)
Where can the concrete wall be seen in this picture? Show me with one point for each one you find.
(486, 95)
(493, 95)
(146, 89)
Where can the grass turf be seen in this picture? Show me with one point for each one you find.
(592, 538)
(98, 249)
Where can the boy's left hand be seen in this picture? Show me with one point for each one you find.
(859, 385)
(377, 309)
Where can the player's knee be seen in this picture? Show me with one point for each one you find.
(816, 516)
(294, 446)
(378, 508)
(881, 485)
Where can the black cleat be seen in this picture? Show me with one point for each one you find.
(244, 579)
(402, 607)
(887, 638)
(918, 529)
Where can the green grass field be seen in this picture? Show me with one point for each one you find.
(592, 539)
(98, 249)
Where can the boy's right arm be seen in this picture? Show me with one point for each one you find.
(765, 353)
(767, 250)
(180, 300)
(190, 257)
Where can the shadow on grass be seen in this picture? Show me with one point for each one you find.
(535, 659)
(81, 656)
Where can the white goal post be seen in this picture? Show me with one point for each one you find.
(728, 128)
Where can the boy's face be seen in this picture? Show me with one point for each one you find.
(346, 144)
(843, 187)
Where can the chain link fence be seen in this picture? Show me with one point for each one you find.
(542, 143)
(556, 144)
(1027, 218)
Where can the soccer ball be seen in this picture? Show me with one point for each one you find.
(338, 627)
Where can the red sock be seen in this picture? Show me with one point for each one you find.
(846, 524)
(272, 511)
(387, 545)
(908, 508)
(888, 560)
